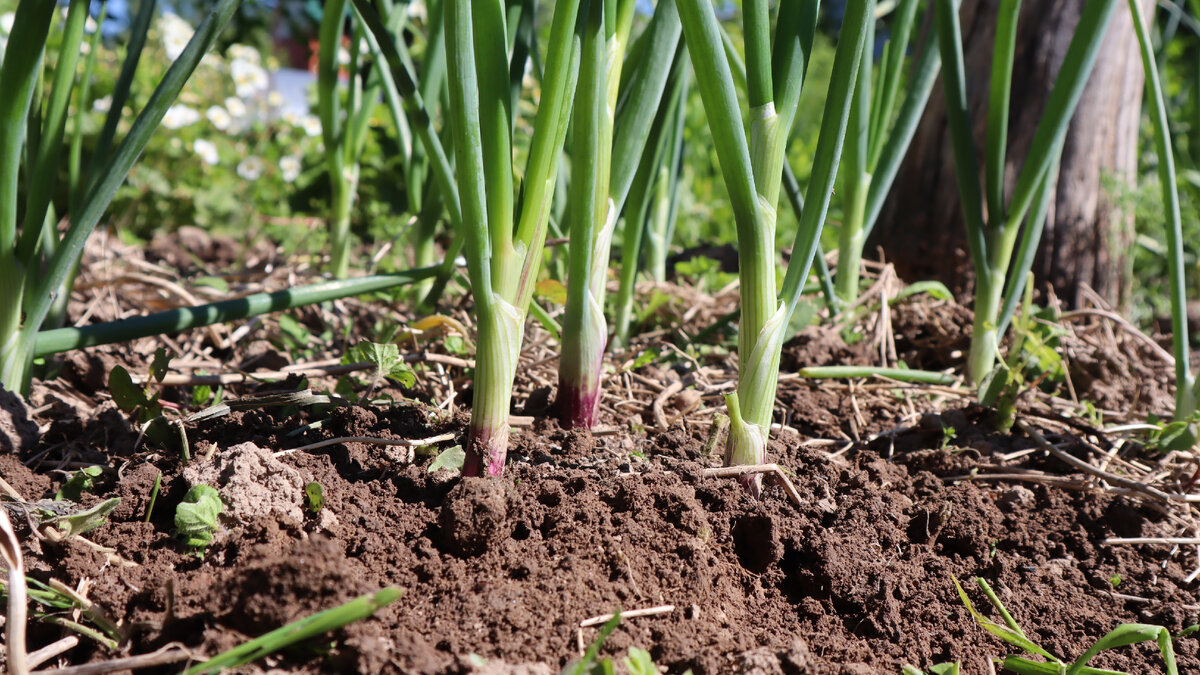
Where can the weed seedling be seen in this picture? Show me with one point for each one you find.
(1121, 636)
(196, 517)
(314, 497)
(81, 480)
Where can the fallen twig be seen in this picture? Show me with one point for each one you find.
(172, 653)
(773, 469)
(403, 442)
(1135, 486)
(631, 614)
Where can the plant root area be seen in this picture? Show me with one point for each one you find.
(902, 489)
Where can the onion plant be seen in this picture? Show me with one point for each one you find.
(994, 226)
(653, 201)
(876, 144)
(344, 124)
(35, 261)
(1187, 391)
(608, 142)
(752, 167)
(504, 237)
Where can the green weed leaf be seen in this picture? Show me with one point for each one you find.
(386, 358)
(158, 367)
(79, 481)
(86, 521)
(450, 458)
(196, 516)
(314, 496)
(639, 662)
(127, 395)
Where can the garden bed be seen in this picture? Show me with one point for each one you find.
(901, 489)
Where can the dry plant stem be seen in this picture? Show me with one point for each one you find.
(631, 614)
(10, 547)
(172, 653)
(407, 443)
(1124, 324)
(1133, 485)
(758, 469)
(1177, 541)
(52, 650)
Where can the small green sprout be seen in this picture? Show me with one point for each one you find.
(314, 497)
(450, 458)
(1123, 635)
(939, 669)
(81, 480)
(196, 517)
(297, 631)
(948, 435)
(153, 496)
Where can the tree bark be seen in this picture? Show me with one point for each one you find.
(1087, 237)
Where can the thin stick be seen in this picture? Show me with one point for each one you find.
(172, 653)
(403, 442)
(631, 614)
(731, 471)
(51, 650)
(1179, 541)
(1124, 324)
(1133, 485)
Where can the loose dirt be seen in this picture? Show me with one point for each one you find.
(903, 489)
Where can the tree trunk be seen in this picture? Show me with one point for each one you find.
(1087, 238)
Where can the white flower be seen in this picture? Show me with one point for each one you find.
(219, 117)
(244, 53)
(235, 106)
(102, 105)
(206, 151)
(179, 116)
(274, 99)
(416, 10)
(312, 125)
(289, 167)
(90, 25)
(85, 48)
(343, 56)
(6, 22)
(250, 168)
(176, 34)
(290, 118)
(248, 78)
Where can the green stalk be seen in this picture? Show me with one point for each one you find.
(992, 244)
(752, 173)
(998, 104)
(83, 102)
(501, 273)
(18, 79)
(44, 174)
(334, 134)
(857, 179)
(15, 363)
(659, 239)
(592, 217)
(1185, 395)
(186, 318)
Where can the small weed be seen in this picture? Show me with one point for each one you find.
(1121, 636)
(196, 517)
(314, 497)
(451, 459)
(80, 481)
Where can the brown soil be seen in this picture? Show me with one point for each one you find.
(856, 579)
